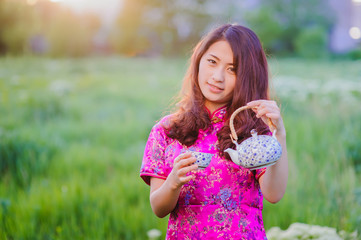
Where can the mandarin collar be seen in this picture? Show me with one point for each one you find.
(218, 115)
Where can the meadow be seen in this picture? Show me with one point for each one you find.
(72, 135)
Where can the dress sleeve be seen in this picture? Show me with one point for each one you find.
(154, 164)
(259, 173)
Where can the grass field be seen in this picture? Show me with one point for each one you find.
(72, 135)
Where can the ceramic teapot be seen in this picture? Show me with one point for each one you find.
(257, 151)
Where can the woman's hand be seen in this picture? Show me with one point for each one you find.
(182, 165)
(267, 109)
(274, 182)
(164, 194)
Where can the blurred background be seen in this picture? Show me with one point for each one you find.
(83, 81)
(77, 28)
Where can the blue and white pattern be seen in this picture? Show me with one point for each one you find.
(203, 159)
(259, 151)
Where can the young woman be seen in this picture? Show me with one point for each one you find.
(228, 69)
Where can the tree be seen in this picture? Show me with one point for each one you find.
(126, 35)
(64, 32)
(70, 34)
(159, 27)
(288, 19)
(15, 26)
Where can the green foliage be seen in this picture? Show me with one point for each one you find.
(267, 28)
(21, 159)
(355, 54)
(285, 27)
(284, 22)
(15, 29)
(152, 27)
(78, 128)
(312, 43)
(67, 33)
(353, 143)
(63, 32)
(127, 37)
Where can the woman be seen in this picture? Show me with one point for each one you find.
(228, 69)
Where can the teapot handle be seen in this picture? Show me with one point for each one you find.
(234, 136)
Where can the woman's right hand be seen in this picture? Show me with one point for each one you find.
(183, 164)
(164, 194)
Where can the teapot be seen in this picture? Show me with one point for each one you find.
(257, 151)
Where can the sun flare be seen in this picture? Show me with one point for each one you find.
(89, 5)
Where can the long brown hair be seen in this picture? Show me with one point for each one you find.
(251, 84)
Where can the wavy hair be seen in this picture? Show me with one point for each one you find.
(251, 84)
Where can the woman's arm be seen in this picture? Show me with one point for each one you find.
(164, 194)
(274, 182)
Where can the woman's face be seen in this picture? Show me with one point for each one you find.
(217, 75)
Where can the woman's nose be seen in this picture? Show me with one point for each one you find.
(218, 74)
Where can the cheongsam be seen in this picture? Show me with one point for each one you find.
(223, 201)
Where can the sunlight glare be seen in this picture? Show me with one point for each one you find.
(106, 9)
(95, 5)
(31, 2)
(355, 33)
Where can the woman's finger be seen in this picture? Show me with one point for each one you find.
(261, 103)
(184, 162)
(255, 103)
(265, 110)
(273, 116)
(186, 179)
(185, 170)
(182, 156)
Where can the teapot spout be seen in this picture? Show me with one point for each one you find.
(234, 155)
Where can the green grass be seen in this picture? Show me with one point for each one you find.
(72, 135)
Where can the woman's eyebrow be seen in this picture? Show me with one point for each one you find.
(219, 59)
(214, 56)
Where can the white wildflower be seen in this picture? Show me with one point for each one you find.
(305, 232)
(60, 87)
(23, 95)
(64, 189)
(300, 89)
(15, 80)
(351, 236)
(154, 234)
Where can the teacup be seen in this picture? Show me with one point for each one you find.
(203, 159)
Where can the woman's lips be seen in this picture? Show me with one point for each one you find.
(214, 89)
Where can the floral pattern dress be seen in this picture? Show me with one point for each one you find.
(223, 201)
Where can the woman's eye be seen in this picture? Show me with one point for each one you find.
(211, 61)
(232, 69)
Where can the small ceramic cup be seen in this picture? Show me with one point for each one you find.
(203, 159)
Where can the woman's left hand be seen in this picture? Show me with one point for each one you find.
(268, 109)
(274, 182)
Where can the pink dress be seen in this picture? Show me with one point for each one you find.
(223, 202)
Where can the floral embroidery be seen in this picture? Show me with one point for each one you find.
(224, 200)
(220, 217)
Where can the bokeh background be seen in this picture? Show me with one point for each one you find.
(83, 81)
